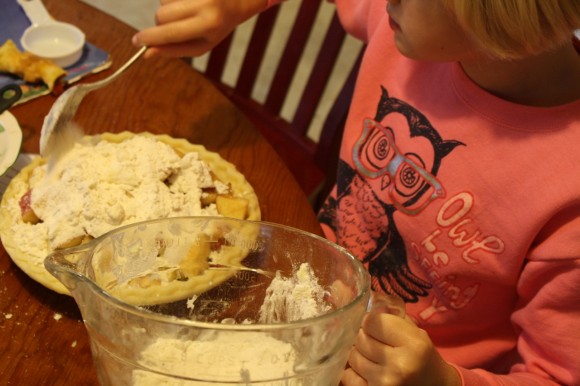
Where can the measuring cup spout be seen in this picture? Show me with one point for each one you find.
(70, 265)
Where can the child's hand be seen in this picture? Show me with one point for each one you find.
(390, 350)
(193, 27)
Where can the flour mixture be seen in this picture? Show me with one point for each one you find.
(242, 356)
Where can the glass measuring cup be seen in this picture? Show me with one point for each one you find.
(151, 323)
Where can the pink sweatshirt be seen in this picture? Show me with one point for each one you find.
(466, 205)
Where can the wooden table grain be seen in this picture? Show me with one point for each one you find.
(42, 337)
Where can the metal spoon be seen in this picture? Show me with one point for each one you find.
(57, 136)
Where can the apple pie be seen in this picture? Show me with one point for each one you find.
(111, 180)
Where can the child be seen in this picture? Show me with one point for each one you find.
(458, 182)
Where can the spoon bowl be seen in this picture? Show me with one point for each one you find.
(57, 134)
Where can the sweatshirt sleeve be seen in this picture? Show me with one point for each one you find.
(548, 314)
(360, 17)
(274, 2)
(354, 15)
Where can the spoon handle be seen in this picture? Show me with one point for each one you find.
(120, 70)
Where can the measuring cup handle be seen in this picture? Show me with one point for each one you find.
(35, 11)
(390, 304)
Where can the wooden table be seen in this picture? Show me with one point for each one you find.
(42, 337)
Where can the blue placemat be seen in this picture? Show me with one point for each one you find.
(13, 22)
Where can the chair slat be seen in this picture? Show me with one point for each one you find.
(328, 149)
(319, 77)
(295, 46)
(336, 117)
(256, 51)
(217, 59)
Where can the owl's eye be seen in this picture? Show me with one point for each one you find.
(408, 181)
(413, 188)
(377, 151)
(381, 148)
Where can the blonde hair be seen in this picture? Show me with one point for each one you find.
(513, 29)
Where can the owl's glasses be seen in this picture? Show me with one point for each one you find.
(410, 187)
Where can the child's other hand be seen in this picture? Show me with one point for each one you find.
(390, 350)
(193, 27)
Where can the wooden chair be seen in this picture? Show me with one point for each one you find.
(312, 162)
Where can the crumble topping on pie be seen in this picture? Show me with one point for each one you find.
(112, 180)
